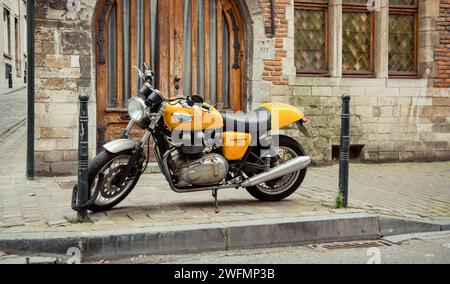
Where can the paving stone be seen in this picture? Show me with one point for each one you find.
(404, 190)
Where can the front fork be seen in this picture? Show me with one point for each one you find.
(126, 132)
(137, 154)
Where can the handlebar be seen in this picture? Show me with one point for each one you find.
(146, 75)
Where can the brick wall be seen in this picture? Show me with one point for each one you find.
(442, 54)
(273, 69)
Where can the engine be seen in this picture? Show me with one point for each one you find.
(211, 169)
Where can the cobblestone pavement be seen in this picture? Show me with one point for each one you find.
(408, 190)
(13, 113)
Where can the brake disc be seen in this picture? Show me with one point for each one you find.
(109, 189)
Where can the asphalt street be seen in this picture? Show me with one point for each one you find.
(433, 248)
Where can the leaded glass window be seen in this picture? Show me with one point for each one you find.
(311, 37)
(403, 17)
(358, 38)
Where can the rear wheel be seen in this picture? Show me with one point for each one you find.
(111, 166)
(281, 188)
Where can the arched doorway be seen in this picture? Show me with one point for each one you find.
(194, 46)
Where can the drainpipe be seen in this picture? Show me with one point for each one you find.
(272, 17)
(30, 89)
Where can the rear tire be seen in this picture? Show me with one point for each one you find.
(263, 195)
(99, 164)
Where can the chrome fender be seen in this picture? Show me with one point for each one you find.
(120, 145)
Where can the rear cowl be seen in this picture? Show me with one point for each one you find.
(283, 114)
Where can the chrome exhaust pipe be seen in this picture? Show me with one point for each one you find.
(288, 167)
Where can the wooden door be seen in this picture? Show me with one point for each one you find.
(196, 47)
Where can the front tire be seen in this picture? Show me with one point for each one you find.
(111, 165)
(267, 192)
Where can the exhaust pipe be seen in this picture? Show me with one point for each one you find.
(291, 166)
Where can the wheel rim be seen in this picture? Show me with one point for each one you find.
(282, 184)
(109, 193)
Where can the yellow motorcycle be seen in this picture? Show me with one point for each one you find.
(199, 148)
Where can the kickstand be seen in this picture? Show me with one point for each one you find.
(215, 195)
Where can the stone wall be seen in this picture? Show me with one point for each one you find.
(64, 70)
(394, 119)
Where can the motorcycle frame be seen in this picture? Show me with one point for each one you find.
(162, 146)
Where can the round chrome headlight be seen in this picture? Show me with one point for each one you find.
(136, 109)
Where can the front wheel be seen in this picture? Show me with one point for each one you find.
(281, 188)
(111, 166)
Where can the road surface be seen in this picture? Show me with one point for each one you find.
(433, 248)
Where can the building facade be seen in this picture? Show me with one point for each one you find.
(13, 44)
(392, 56)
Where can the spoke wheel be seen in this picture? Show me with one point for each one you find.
(281, 188)
(112, 166)
(281, 184)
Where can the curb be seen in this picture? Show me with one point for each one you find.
(218, 236)
(9, 91)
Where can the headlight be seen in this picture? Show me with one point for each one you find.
(136, 109)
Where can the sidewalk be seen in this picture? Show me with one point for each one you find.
(417, 191)
(7, 91)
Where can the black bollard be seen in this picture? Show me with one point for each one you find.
(83, 158)
(345, 149)
(10, 80)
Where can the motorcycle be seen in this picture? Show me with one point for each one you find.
(199, 148)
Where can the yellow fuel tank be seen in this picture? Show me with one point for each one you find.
(196, 118)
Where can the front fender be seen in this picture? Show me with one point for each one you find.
(120, 145)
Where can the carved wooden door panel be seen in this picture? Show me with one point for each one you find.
(194, 46)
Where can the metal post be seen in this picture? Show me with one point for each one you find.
(272, 17)
(30, 80)
(10, 80)
(83, 157)
(345, 149)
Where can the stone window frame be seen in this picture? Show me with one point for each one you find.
(426, 37)
(360, 8)
(414, 11)
(17, 46)
(7, 14)
(323, 6)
